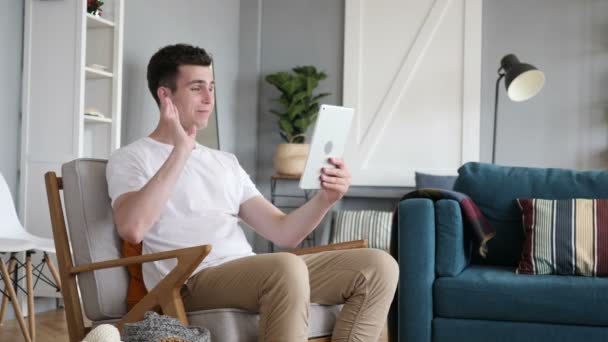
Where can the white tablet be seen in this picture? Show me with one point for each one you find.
(328, 140)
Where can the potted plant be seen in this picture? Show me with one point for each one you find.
(299, 108)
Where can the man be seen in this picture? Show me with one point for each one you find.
(170, 192)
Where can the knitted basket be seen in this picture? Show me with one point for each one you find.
(161, 328)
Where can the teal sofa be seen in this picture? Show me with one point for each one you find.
(447, 292)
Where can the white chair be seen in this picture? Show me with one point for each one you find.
(15, 239)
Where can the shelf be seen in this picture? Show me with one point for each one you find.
(98, 22)
(94, 119)
(92, 73)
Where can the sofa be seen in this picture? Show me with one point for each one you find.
(448, 292)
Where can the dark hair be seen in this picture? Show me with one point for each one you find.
(164, 65)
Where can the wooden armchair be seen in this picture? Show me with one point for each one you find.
(91, 254)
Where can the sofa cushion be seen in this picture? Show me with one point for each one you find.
(567, 237)
(503, 331)
(497, 293)
(495, 188)
(425, 181)
(453, 249)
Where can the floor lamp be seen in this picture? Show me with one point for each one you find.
(523, 81)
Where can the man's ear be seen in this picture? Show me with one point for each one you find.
(163, 92)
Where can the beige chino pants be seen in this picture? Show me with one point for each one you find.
(280, 287)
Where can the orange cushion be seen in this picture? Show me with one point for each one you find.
(137, 289)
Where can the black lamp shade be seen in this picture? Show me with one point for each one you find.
(523, 81)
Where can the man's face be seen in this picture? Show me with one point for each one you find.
(194, 96)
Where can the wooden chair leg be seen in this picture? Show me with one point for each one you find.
(54, 272)
(31, 312)
(15, 300)
(11, 269)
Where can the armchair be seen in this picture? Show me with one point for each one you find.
(448, 293)
(95, 260)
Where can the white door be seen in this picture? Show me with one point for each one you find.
(412, 72)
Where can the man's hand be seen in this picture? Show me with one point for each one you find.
(335, 182)
(170, 116)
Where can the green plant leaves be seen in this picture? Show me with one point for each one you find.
(299, 105)
(320, 96)
(302, 123)
(295, 110)
(286, 126)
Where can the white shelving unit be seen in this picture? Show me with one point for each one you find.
(72, 64)
(94, 21)
(93, 74)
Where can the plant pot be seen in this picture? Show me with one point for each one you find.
(290, 159)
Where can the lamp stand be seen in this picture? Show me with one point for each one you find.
(501, 74)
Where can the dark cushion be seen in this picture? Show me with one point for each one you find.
(495, 188)
(425, 181)
(497, 293)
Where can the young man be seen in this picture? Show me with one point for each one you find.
(170, 192)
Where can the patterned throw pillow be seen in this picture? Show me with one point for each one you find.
(373, 225)
(566, 237)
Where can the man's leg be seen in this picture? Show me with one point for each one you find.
(275, 285)
(364, 280)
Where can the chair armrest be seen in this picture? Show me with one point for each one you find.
(453, 243)
(166, 293)
(330, 247)
(139, 259)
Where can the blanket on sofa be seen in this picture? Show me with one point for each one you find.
(474, 219)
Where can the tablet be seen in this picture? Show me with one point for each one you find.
(328, 140)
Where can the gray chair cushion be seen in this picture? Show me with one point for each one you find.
(94, 238)
(235, 325)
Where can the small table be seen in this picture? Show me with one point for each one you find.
(277, 198)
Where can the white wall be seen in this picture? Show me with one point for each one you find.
(212, 25)
(11, 55)
(296, 32)
(566, 125)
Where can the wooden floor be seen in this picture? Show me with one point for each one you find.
(51, 327)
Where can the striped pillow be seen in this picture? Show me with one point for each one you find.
(566, 237)
(373, 225)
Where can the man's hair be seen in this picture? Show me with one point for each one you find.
(164, 65)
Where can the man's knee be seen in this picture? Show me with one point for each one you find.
(289, 272)
(381, 264)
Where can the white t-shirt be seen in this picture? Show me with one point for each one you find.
(202, 210)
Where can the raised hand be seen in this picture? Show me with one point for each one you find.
(170, 116)
(335, 182)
